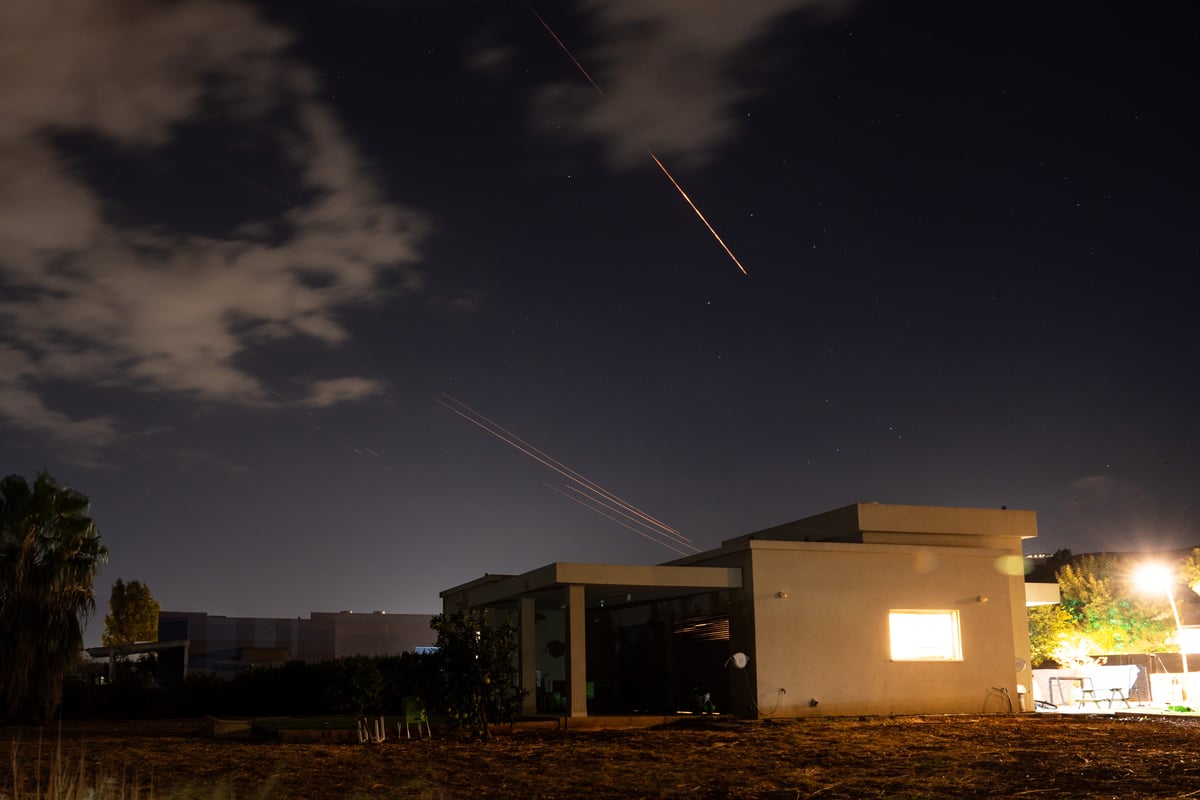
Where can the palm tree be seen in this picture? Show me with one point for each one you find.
(49, 554)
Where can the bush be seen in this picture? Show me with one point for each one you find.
(474, 671)
(353, 685)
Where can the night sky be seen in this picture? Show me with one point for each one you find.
(251, 255)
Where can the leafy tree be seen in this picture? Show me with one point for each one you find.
(1096, 593)
(1191, 570)
(475, 671)
(132, 615)
(1049, 627)
(49, 553)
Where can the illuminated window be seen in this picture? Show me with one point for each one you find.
(925, 636)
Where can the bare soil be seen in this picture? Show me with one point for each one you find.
(1034, 756)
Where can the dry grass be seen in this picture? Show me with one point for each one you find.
(914, 757)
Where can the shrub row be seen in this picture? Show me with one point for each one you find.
(354, 685)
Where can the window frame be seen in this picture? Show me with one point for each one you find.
(949, 651)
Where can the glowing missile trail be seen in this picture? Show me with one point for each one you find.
(667, 536)
(614, 519)
(670, 177)
(711, 229)
(563, 472)
(607, 502)
(549, 461)
(570, 55)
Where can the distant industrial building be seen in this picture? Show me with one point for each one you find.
(227, 645)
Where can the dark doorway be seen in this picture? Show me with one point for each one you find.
(701, 649)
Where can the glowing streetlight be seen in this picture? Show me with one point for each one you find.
(1159, 578)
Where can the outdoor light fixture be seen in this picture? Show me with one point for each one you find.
(782, 595)
(1159, 578)
(739, 660)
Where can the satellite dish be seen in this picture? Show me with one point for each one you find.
(1019, 664)
(739, 660)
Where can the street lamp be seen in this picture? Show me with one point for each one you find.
(1156, 577)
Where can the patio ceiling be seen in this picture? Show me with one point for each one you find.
(629, 583)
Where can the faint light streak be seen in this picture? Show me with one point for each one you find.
(246, 178)
(312, 422)
(604, 502)
(570, 55)
(659, 528)
(563, 469)
(670, 177)
(589, 507)
(475, 506)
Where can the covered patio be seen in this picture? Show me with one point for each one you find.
(613, 639)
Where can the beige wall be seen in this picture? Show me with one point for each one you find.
(828, 640)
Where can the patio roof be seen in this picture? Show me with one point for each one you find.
(598, 580)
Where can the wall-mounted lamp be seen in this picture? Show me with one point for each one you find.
(781, 595)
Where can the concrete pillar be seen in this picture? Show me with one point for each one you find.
(576, 652)
(528, 655)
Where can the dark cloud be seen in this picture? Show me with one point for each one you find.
(664, 67)
(95, 301)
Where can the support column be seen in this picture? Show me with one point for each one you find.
(576, 652)
(528, 655)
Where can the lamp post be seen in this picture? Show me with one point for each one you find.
(1156, 577)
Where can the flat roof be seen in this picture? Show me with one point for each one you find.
(864, 521)
(878, 524)
(615, 578)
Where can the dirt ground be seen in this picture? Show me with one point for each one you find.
(1042, 756)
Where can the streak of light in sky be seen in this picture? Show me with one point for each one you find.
(659, 528)
(604, 501)
(661, 166)
(614, 519)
